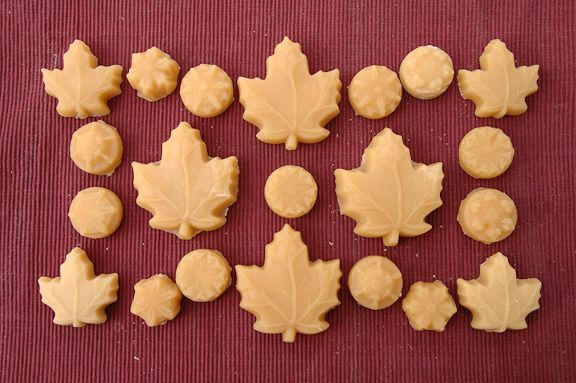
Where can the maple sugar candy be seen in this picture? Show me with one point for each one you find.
(186, 191)
(289, 294)
(82, 87)
(389, 195)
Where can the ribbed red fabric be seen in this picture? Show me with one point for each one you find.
(214, 342)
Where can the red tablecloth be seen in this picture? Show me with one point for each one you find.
(214, 342)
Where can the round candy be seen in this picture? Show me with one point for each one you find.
(206, 90)
(153, 74)
(290, 191)
(375, 282)
(375, 92)
(485, 152)
(96, 148)
(95, 212)
(203, 275)
(487, 215)
(426, 72)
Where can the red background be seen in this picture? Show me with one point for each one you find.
(214, 341)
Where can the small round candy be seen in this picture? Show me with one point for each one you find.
(375, 92)
(375, 282)
(426, 72)
(96, 148)
(206, 90)
(487, 215)
(153, 74)
(290, 191)
(95, 212)
(485, 152)
(203, 275)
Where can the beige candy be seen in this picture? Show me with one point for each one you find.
(153, 74)
(290, 105)
(487, 215)
(82, 87)
(426, 72)
(186, 191)
(156, 300)
(389, 195)
(375, 282)
(203, 275)
(485, 152)
(96, 148)
(79, 297)
(428, 306)
(290, 191)
(289, 294)
(206, 90)
(375, 92)
(95, 212)
(496, 299)
(498, 88)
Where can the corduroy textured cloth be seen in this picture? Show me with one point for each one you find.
(214, 342)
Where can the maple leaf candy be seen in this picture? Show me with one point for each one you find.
(186, 191)
(289, 294)
(498, 88)
(496, 299)
(78, 297)
(82, 87)
(389, 195)
(290, 105)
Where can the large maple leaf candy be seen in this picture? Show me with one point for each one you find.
(289, 294)
(82, 87)
(187, 191)
(290, 105)
(496, 299)
(79, 297)
(389, 195)
(498, 88)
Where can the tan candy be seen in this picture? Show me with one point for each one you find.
(96, 148)
(79, 297)
(375, 92)
(426, 72)
(82, 87)
(95, 212)
(203, 275)
(485, 152)
(487, 215)
(428, 306)
(206, 90)
(375, 282)
(496, 299)
(290, 191)
(156, 300)
(498, 88)
(153, 74)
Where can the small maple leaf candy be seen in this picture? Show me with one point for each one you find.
(153, 74)
(429, 306)
(156, 300)
(389, 195)
(290, 105)
(186, 191)
(289, 294)
(79, 297)
(498, 88)
(496, 299)
(82, 87)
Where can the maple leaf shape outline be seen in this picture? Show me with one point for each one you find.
(290, 115)
(197, 205)
(508, 95)
(289, 294)
(92, 84)
(519, 297)
(382, 211)
(79, 297)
